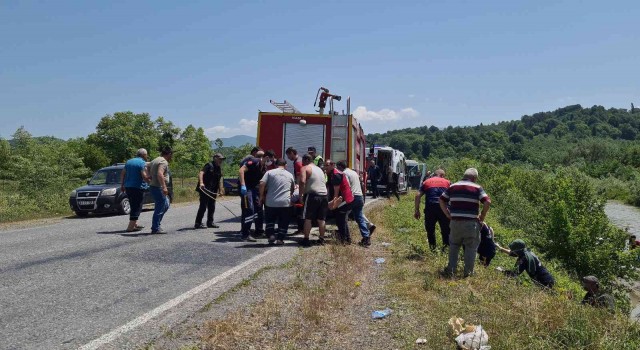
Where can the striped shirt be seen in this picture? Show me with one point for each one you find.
(464, 198)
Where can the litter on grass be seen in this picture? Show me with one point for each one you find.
(469, 337)
(379, 260)
(380, 313)
(420, 341)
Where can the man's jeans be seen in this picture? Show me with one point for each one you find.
(357, 207)
(161, 207)
(463, 233)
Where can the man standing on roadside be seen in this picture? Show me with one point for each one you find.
(433, 189)
(159, 181)
(373, 174)
(134, 180)
(276, 188)
(358, 203)
(464, 197)
(392, 182)
(209, 179)
(315, 198)
(292, 155)
(250, 173)
(341, 200)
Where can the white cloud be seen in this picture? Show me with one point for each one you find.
(248, 124)
(384, 114)
(244, 127)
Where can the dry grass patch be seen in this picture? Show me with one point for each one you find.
(326, 303)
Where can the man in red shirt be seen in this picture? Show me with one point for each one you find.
(340, 199)
(433, 188)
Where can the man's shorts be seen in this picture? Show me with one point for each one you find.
(315, 207)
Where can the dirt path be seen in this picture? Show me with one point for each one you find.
(323, 299)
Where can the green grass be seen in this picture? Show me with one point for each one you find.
(515, 313)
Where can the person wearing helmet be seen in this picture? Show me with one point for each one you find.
(527, 261)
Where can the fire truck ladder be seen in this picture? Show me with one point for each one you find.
(285, 106)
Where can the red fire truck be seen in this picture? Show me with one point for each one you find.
(335, 136)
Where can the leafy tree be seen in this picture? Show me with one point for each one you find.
(92, 156)
(167, 132)
(219, 143)
(121, 134)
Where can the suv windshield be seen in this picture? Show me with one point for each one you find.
(106, 177)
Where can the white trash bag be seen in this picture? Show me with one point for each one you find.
(473, 339)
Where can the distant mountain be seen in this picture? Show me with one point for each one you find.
(236, 141)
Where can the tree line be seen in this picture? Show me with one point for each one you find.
(602, 143)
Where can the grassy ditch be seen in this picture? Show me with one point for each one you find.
(516, 314)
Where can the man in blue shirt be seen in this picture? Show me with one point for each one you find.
(133, 181)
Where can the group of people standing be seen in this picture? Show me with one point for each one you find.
(316, 188)
(386, 176)
(460, 210)
(137, 176)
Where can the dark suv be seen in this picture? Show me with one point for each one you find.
(102, 193)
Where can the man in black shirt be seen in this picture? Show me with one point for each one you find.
(209, 189)
(250, 174)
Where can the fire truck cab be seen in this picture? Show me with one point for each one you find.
(336, 137)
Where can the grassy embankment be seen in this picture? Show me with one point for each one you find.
(18, 206)
(515, 313)
(327, 303)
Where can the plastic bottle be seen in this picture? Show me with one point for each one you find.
(380, 313)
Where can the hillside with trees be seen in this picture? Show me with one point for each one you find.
(602, 143)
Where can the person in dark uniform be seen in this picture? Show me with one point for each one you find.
(373, 174)
(392, 182)
(250, 173)
(527, 261)
(433, 189)
(209, 189)
(487, 247)
(595, 297)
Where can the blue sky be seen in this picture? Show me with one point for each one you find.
(214, 64)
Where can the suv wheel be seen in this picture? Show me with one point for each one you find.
(125, 206)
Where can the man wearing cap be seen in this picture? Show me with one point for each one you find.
(527, 261)
(209, 188)
(464, 198)
(317, 159)
(158, 188)
(595, 297)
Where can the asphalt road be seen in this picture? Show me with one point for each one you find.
(66, 284)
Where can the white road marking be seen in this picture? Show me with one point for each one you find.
(114, 334)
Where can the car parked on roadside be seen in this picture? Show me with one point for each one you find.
(102, 193)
